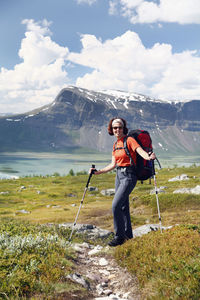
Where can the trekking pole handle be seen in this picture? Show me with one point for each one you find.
(91, 173)
(156, 159)
(93, 167)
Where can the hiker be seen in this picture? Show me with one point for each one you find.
(125, 179)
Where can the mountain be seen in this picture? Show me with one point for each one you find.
(79, 118)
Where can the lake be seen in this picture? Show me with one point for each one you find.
(31, 163)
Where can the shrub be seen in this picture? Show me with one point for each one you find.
(168, 263)
(33, 258)
(71, 172)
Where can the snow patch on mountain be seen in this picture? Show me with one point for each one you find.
(129, 96)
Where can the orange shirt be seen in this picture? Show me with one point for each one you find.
(120, 155)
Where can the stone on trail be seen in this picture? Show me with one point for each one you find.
(96, 250)
(78, 278)
(103, 262)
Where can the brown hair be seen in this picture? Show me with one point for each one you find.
(110, 129)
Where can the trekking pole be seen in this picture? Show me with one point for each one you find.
(156, 192)
(158, 163)
(86, 187)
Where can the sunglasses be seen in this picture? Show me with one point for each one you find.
(117, 127)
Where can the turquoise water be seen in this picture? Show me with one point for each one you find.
(25, 164)
(29, 164)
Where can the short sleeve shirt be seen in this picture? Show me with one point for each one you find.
(120, 155)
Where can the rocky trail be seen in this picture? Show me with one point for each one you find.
(98, 272)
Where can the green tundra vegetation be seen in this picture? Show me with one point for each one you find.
(35, 258)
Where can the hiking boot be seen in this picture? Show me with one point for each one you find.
(128, 238)
(116, 242)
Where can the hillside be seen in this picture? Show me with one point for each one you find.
(38, 262)
(79, 118)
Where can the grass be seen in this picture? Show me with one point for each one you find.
(35, 259)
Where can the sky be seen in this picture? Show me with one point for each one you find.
(150, 47)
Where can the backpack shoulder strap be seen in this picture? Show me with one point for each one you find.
(128, 152)
(117, 148)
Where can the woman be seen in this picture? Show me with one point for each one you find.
(125, 179)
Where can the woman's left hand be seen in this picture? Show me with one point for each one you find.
(152, 156)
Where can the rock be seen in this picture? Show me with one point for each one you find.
(104, 284)
(94, 232)
(80, 247)
(23, 211)
(108, 192)
(111, 297)
(99, 289)
(195, 190)
(179, 178)
(96, 250)
(107, 292)
(126, 295)
(144, 229)
(104, 272)
(76, 277)
(92, 188)
(22, 188)
(85, 245)
(94, 277)
(77, 248)
(103, 262)
(111, 276)
(90, 230)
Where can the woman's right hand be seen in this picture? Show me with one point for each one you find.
(92, 171)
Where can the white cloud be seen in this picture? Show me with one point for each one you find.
(124, 63)
(181, 79)
(113, 7)
(121, 63)
(141, 11)
(90, 2)
(39, 77)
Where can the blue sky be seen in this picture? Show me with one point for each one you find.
(143, 46)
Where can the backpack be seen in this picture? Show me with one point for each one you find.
(144, 168)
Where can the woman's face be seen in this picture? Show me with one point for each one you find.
(118, 130)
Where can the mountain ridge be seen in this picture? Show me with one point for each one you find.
(78, 118)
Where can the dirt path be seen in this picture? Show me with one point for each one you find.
(100, 274)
